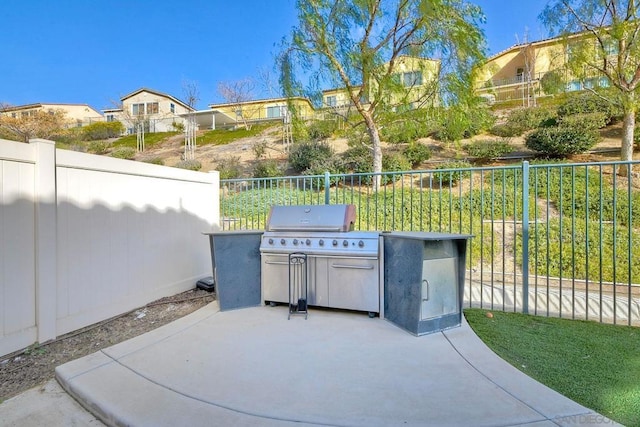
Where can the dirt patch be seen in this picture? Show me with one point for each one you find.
(35, 365)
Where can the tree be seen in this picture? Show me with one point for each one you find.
(603, 38)
(191, 96)
(32, 124)
(237, 93)
(357, 45)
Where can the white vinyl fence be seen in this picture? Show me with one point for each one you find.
(84, 237)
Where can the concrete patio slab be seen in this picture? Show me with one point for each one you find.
(254, 367)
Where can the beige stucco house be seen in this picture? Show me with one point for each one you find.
(156, 111)
(518, 73)
(263, 109)
(76, 115)
(415, 77)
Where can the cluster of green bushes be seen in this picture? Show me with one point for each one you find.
(101, 130)
(488, 149)
(571, 127)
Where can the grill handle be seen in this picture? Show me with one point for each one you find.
(277, 262)
(315, 228)
(355, 267)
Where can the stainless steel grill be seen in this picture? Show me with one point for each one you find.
(343, 266)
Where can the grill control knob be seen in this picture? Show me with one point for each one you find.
(282, 241)
(271, 241)
(334, 243)
(361, 244)
(308, 242)
(345, 243)
(295, 242)
(321, 242)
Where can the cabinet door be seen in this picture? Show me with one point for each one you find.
(353, 284)
(439, 288)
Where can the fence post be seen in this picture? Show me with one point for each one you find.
(327, 182)
(525, 237)
(46, 235)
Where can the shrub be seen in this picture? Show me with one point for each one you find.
(178, 126)
(587, 103)
(596, 120)
(124, 153)
(507, 130)
(457, 123)
(98, 147)
(562, 141)
(486, 150)
(305, 154)
(192, 165)
(417, 153)
(552, 83)
(404, 132)
(358, 159)
(267, 169)
(102, 130)
(155, 161)
(229, 168)
(321, 129)
(451, 173)
(394, 163)
(525, 119)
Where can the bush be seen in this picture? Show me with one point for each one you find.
(192, 165)
(358, 159)
(229, 168)
(595, 120)
(394, 163)
(305, 154)
(155, 161)
(416, 153)
(507, 130)
(267, 169)
(587, 103)
(102, 130)
(178, 126)
(124, 153)
(321, 129)
(525, 119)
(562, 141)
(450, 173)
(98, 147)
(552, 83)
(457, 123)
(404, 132)
(486, 150)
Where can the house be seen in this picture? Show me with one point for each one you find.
(155, 111)
(76, 115)
(415, 78)
(525, 71)
(263, 110)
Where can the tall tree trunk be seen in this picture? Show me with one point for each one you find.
(372, 129)
(628, 126)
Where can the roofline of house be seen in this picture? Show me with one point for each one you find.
(534, 43)
(155, 92)
(258, 101)
(42, 104)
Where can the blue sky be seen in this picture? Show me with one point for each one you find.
(85, 51)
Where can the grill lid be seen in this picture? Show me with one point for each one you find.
(311, 218)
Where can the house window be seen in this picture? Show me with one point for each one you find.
(172, 107)
(519, 74)
(137, 109)
(152, 108)
(574, 85)
(412, 78)
(111, 118)
(274, 112)
(13, 115)
(331, 101)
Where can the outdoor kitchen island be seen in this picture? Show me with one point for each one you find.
(424, 280)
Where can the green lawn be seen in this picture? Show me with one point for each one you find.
(150, 139)
(224, 136)
(596, 365)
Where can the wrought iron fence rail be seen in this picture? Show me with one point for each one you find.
(565, 235)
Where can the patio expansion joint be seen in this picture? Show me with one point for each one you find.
(218, 405)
